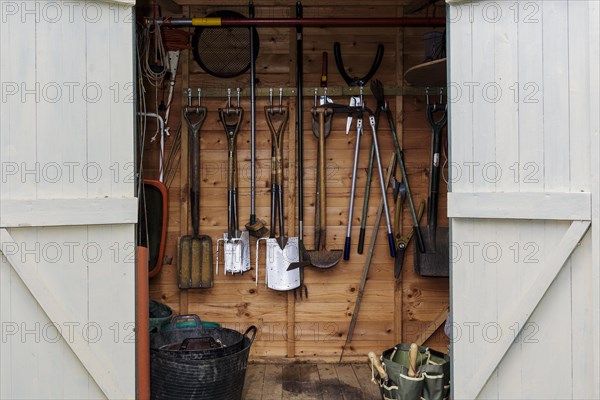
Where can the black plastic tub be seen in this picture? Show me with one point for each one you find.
(196, 343)
(199, 379)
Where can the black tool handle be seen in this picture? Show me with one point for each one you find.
(194, 116)
(273, 191)
(280, 208)
(391, 244)
(347, 248)
(339, 62)
(365, 212)
(436, 150)
(252, 33)
(300, 137)
(435, 180)
(361, 240)
(194, 162)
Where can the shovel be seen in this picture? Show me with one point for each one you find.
(304, 260)
(281, 251)
(321, 257)
(236, 244)
(435, 260)
(256, 227)
(194, 256)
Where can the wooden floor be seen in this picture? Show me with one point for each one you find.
(309, 381)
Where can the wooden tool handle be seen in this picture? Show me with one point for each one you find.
(377, 364)
(324, 70)
(412, 360)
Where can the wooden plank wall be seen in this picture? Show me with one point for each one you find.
(313, 328)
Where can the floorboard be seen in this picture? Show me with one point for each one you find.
(349, 386)
(363, 374)
(253, 385)
(272, 385)
(309, 382)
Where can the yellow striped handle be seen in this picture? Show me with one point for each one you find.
(206, 21)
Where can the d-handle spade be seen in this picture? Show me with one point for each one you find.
(277, 119)
(321, 257)
(256, 227)
(304, 256)
(231, 118)
(194, 252)
(434, 183)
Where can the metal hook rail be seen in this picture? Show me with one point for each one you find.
(330, 91)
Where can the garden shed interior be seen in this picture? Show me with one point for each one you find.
(312, 328)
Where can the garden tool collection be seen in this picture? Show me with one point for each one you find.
(434, 261)
(286, 257)
(236, 244)
(321, 257)
(281, 251)
(194, 259)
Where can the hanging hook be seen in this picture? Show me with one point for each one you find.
(362, 103)
(427, 94)
(228, 99)
(189, 91)
(441, 95)
(199, 97)
(280, 100)
(237, 109)
(316, 95)
(271, 100)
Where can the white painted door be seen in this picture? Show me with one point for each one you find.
(67, 206)
(524, 150)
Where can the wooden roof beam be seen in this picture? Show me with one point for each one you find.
(166, 6)
(417, 5)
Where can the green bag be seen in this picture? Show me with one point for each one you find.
(433, 375)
